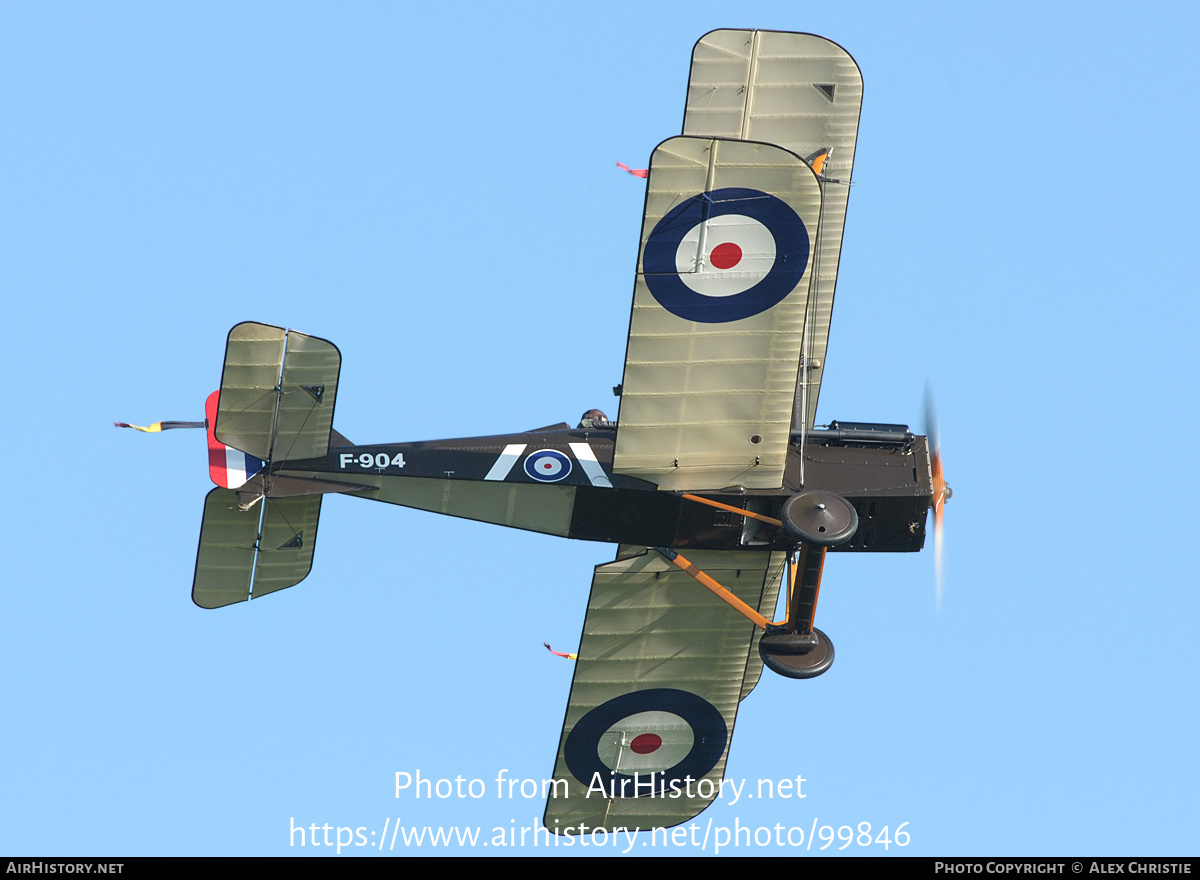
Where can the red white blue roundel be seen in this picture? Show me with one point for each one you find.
(725, 255)
(666, 732)
(547, 465)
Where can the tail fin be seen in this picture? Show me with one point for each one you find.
(228, 467)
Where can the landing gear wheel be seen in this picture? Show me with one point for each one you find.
(823, 519)
(796, 656)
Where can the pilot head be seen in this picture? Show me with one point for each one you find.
(594, 418)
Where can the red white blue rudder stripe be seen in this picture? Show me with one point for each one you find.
(229, 468)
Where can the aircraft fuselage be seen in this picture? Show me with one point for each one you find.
(559, 480)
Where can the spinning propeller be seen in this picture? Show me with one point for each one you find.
(941, 492)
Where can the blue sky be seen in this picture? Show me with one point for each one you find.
(435, 191)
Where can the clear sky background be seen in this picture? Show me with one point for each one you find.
(435, 191)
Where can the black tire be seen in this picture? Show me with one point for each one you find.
(820, 518)
(779, 653)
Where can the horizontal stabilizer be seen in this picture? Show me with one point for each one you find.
(278, 390)
(248, 553)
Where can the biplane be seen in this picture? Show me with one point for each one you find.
(714, 482)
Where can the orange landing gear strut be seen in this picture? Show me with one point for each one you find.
(815, 520)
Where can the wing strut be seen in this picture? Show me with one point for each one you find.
(749, 514)
(719, 591)
(802, 595)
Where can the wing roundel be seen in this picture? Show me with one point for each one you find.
(725, 255)
(662, 666)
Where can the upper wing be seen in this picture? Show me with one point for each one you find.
(802, 92)
(662, 665)
(718, 311)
